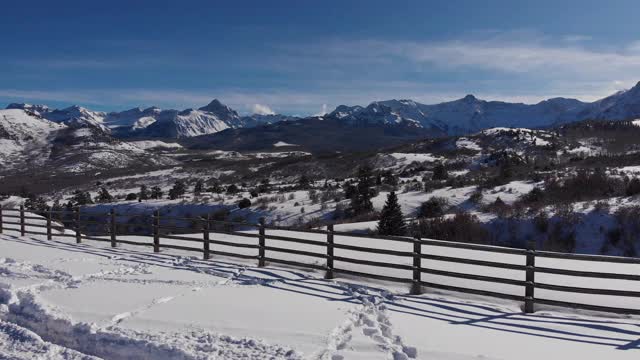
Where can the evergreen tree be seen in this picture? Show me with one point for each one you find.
(264, 185)
(440, 172)
(36, 204)
(81, 198)
(156, 192)
(104, 196)
(178, 189)
(304, 182)
(391, 219)
(144, 193)
(361, 200)
(349, 190)
(56, 210)
(199, 186)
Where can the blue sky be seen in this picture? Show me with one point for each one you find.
(298, 57)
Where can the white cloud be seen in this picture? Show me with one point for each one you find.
(262, 110)
(322, 112)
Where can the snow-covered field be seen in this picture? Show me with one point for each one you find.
(63, 300)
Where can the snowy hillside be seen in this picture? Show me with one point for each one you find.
(24, 137)
(28, 141)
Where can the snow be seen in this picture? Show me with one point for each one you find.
(59, 299)
(283, 144)
(25, 135)
(155, 144)
(399, 160)
(465, 143)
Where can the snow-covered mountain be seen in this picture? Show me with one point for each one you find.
(623, 105)
(29, 141)
(153, 122)
(25, 138)
(470, 114)
(375, 113)
(465, 115)
(73, 116)
(265, 119)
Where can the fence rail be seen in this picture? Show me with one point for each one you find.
(73, 221)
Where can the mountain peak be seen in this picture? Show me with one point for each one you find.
(470, 98)
(215, 104)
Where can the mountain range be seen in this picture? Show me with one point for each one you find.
(153, 122)
(408, 118)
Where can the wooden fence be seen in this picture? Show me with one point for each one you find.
(207, 226)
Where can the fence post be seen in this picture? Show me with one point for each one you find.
(22, 230)
(1, 219)
(112, 212)
(416, 287)
(206, 249)
(49, 235)
(329, 274)
(76, 214)
(261, 244)
(156, 231)
(530, 278)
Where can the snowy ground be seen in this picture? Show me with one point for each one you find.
(63, 300)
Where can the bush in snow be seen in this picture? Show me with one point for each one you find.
(131, 196)
(244, 203)
(633, 187)
(434, 207)
(628, 219)
(232, 189)
(541, 222)
(476, 197)
(463, 227)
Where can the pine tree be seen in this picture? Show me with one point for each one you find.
(156, 192)
(361, 199)
(391, 219)
(199, 186)
(178, 189)
(81, 198)
(304, 182)
(144, 193)
(440, 172)
(104, 196)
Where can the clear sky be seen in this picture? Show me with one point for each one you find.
(297, 57)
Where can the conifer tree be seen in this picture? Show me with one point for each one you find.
(104, 196)
(156, 192)
(144, 193)
(391, 218)
(361, 199)
(178, 189)
(199, 186)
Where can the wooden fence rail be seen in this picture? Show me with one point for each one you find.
(209, 247)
